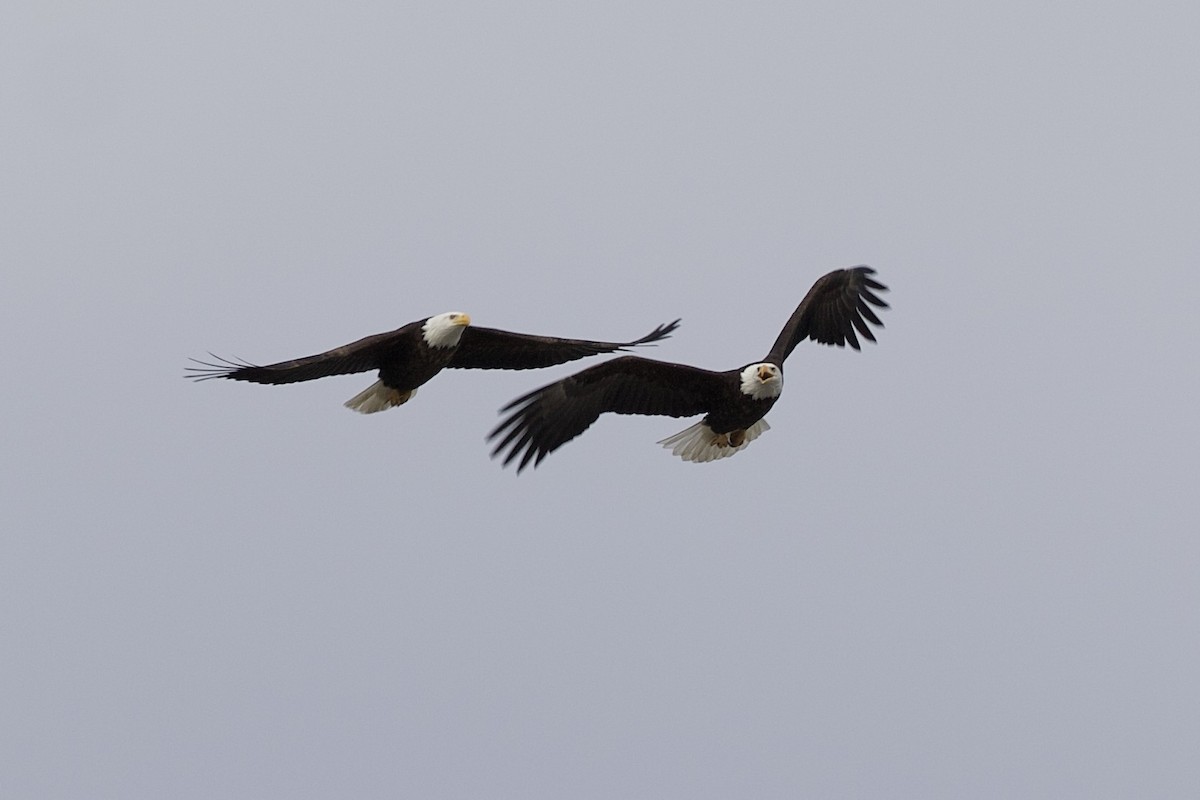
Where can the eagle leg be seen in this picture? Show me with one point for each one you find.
(732, 439)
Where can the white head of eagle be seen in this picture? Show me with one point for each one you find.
(444, 330)
(762, 381)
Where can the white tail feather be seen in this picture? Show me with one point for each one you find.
(378, 397)
(698, 443)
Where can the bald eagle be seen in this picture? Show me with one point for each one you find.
(733, 402)
(410, 356)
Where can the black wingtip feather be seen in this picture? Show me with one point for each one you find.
(208, 370)
(657, 335)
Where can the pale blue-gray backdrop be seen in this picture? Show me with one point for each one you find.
(963, 563)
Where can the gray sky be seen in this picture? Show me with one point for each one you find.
(963, 563)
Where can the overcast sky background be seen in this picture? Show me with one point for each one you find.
(963, 563)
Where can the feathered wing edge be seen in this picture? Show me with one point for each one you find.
(489, 348)
(541, 421)
(833, 309)
(207, 370)
(660, 332)
(360, 356)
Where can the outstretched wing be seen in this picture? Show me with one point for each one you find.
(832, 310)
(488, 348)
(546, 419)
(362, 356)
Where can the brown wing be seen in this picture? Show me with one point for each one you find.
(488, 348)
(362, 356)
(834, 308)
(544, 420)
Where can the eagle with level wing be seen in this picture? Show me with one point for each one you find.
(410, 356)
